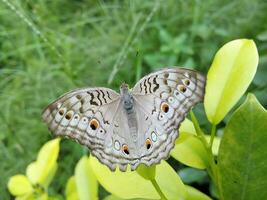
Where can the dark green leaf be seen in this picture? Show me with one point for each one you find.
(243, 152)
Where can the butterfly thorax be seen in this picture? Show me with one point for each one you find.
(128, 105)
(127, 98)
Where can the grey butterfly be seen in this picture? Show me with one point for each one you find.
(137, 126)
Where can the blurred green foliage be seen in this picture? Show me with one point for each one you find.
(86, 40)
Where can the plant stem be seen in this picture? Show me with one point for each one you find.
(200, 133)
(156, 186)
(212, 135)
(212, 168)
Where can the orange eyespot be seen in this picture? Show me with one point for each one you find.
(125, 149)
(148, 143)
(182, 88)
(94, 124)
(165, 107)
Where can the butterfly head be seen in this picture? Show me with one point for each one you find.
(124, 88)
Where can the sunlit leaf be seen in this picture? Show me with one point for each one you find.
(146, 172)
(131, 185)
(113, 197)
(190, 151)
(187, 126)
(242, 154)
(19, 185)
(43, 169)
(34, 196)
(71, 189)
(231, 72)
(29, 196)
(127, 184)
(194, 194)
(85, 179)
(169, 182)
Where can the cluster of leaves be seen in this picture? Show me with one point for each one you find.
(236, 172)
(90, 36)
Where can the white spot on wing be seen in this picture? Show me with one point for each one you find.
(117, 145)
(75, 120)
(154, 136)
(83, 123)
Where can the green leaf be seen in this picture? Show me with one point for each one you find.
(113, 197)
(231, 72)
(43, 169)
(85, 179)
(130, 184)
(146, 172)
(127, 184)
(169, 182)
(26, 197)
(190, 151)
(242, 155)
(19, 185)
(187, 126)
(194, 194)
(71, 189)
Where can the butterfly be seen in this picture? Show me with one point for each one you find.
(137, 126)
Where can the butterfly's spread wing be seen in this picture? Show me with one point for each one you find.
(93, 117)
(163, 100)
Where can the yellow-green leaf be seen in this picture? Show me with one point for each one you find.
(190, 151)
(131, 185)
(126, 185)
(187, 126)
(112, 197)
(169, 182)
(43, 169)
(231, 72)
(71, 189)
(194, 194)
(29, 196)
(19, 185)
(85, 179)
(146, 172)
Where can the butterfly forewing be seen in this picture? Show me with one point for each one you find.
(84, 115)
